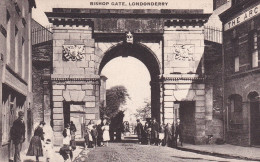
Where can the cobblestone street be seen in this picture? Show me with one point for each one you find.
(131, 152)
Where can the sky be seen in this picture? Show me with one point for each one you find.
(129, 71)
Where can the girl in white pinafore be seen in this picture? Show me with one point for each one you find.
(105, 129)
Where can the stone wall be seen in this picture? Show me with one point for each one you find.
(74, 80)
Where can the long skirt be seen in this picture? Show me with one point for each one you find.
(35, 148)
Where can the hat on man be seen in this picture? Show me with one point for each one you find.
(20, 113)
(138, 120)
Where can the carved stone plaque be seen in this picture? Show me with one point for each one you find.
(73, 52)
(183, 52)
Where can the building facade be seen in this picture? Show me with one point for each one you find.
(15, 70)
(241, 27)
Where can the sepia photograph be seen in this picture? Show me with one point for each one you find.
(129, 81)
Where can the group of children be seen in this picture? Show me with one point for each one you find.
(96, 134)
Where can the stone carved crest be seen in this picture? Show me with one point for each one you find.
(183, 52)
(129, 38)
(73, 52)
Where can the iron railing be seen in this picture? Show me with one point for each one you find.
(41, 34)
(213, 34)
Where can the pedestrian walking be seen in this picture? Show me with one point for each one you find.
(168, 135)
(100, 133)
(147, 130)
(105, 129)
(139, 130)
(73, 130)
(94, 135)
(66, 150)
(35, 147)
(154, 132)
(179, 132)
(161, 135)
(17, 134)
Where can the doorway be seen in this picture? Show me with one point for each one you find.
(74, 111)
(187, 117)
(254, 118)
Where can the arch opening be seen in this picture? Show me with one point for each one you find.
(148, 58)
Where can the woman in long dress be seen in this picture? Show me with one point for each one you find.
(89, 129)
(105, 129)
(35, 148)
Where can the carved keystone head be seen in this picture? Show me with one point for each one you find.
(129, 37)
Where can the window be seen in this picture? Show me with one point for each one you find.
(8, 37)
(253, 48)
(16, 48)
(235, 112)
(236, 64)
(23, 59)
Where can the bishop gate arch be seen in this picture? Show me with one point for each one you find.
(170, 45)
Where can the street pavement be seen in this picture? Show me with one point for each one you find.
(133, 152)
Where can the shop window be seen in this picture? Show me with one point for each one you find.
(235, 112)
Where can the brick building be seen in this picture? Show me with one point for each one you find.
(15, 70)
(241, 27)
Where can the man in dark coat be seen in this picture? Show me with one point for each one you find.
(178, 132)
(154, 131)
(18, 135)
(139, 130)
(100, 133)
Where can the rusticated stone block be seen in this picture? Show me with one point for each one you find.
(200, 103)
(90, 104)
(168, 92)
(61, 36)
(200, 92)
(199, 115)
(58, 116)
(87, 87)
(74, 95)
(74, 35)
(57, 104)
(58, 122)
(66, 95)
(57, 92)
(73, 87)
(168, 104)
(58, 128)
(91, 110)
(57, 98)
(170, 86)
(90, 98)
(90, 116)
(90, 92)
(58, 110)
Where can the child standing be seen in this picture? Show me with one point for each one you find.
(94, 135)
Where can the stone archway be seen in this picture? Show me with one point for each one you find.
(148, 58)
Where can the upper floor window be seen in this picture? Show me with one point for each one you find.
(253, 51)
